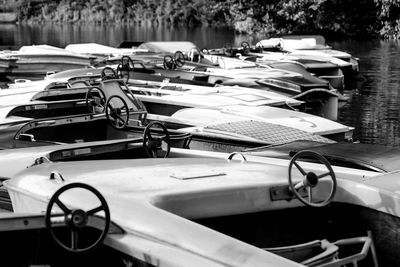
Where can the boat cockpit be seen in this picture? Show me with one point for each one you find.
(39, 239)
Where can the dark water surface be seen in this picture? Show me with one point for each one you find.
(374, 101)
(374, 106)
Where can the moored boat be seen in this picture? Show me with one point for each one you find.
(218, 129)
(190, 118)
(309, 43)
(216, 212)
(283, 76)
(34, 62)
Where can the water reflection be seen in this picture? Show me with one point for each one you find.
(62, 35)
(374, 104)
(374, 107)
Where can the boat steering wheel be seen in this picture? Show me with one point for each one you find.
(152, 144)
(259, 48)
(108, 74)
(228, 50)
(169, 63)
(245, 48)
(195, 54)
(179, 59)
(125, 67)
(311, 179)
(76, 220)
(95, 100)
(117, 112)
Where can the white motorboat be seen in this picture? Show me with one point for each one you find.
(209, 209)
(208, 118)
(287, 77)
(34, 62)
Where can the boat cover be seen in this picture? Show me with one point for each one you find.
(268, 132)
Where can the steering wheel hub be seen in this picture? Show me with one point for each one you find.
(77, 219)
(312, 179)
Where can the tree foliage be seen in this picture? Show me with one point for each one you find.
(341, 18)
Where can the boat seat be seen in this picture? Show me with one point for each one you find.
(323, 253)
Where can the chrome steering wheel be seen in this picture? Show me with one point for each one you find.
(153, 144)
(117, 112)
(76, 220)
(95, 100)
(311, 179)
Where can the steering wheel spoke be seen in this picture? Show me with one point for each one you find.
(309, 193)
(119, 121)
(62, 206)
(299, 185)
(74, 240)
(299, 168)
(321, 176)
(95, 210)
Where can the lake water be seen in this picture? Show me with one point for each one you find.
(374, 101)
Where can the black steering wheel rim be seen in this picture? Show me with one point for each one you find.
(179, 59)
(153, 144)
(126, 66)
(115, 114)
(310, 178)
(245, 48)
(98, 101)
(73, 220)
(169, 63)
(228, 50)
